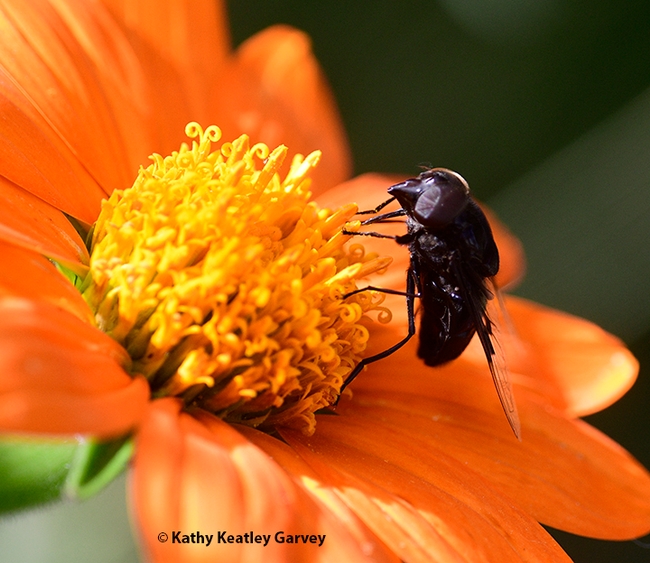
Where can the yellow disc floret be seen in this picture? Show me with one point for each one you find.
(225, 283)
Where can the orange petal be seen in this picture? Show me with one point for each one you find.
(37, 159)
(122, 82)
(27, 221)
(59, 375)
(592, 367)
(367, 191)
(27, 274)
(563, 473)
(512, 258)
(44, 53)
(189, 40)
(373, 549)
(424, 505)
(275, 92)
(198, 474)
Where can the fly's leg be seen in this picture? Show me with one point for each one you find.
(380, 290)
(410, 295)
(400, 239)
(385, 217)
(376, 209)
(367, 234)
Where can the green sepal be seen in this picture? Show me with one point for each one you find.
(96, 464)
(72, 277)
(33, 471)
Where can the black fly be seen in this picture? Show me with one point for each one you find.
(453, 261)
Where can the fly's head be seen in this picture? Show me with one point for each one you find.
(434, 199)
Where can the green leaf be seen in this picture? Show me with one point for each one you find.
(32, 471)
(96, 464)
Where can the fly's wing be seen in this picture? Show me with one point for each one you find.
(493, 318)
(486, 319)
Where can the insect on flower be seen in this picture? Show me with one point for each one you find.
(453, 260)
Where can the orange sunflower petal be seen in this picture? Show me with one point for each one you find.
(37, 159)
(199, 474)
(560, 462)
(121, 80)
(426, 507)
(44, 54)
(59, 375)
(28, 221)
(290, 461)
(592, 367)
(563, 472)
(512, 258)
(275, 91)
(186, 39)
(29, 275)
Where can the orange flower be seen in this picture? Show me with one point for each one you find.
(219, 366)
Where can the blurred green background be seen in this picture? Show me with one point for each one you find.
(544, 107)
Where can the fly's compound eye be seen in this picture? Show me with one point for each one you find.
(443, 198)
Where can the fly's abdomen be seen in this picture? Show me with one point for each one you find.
(446, 326)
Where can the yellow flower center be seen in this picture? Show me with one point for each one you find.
(226, 285)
